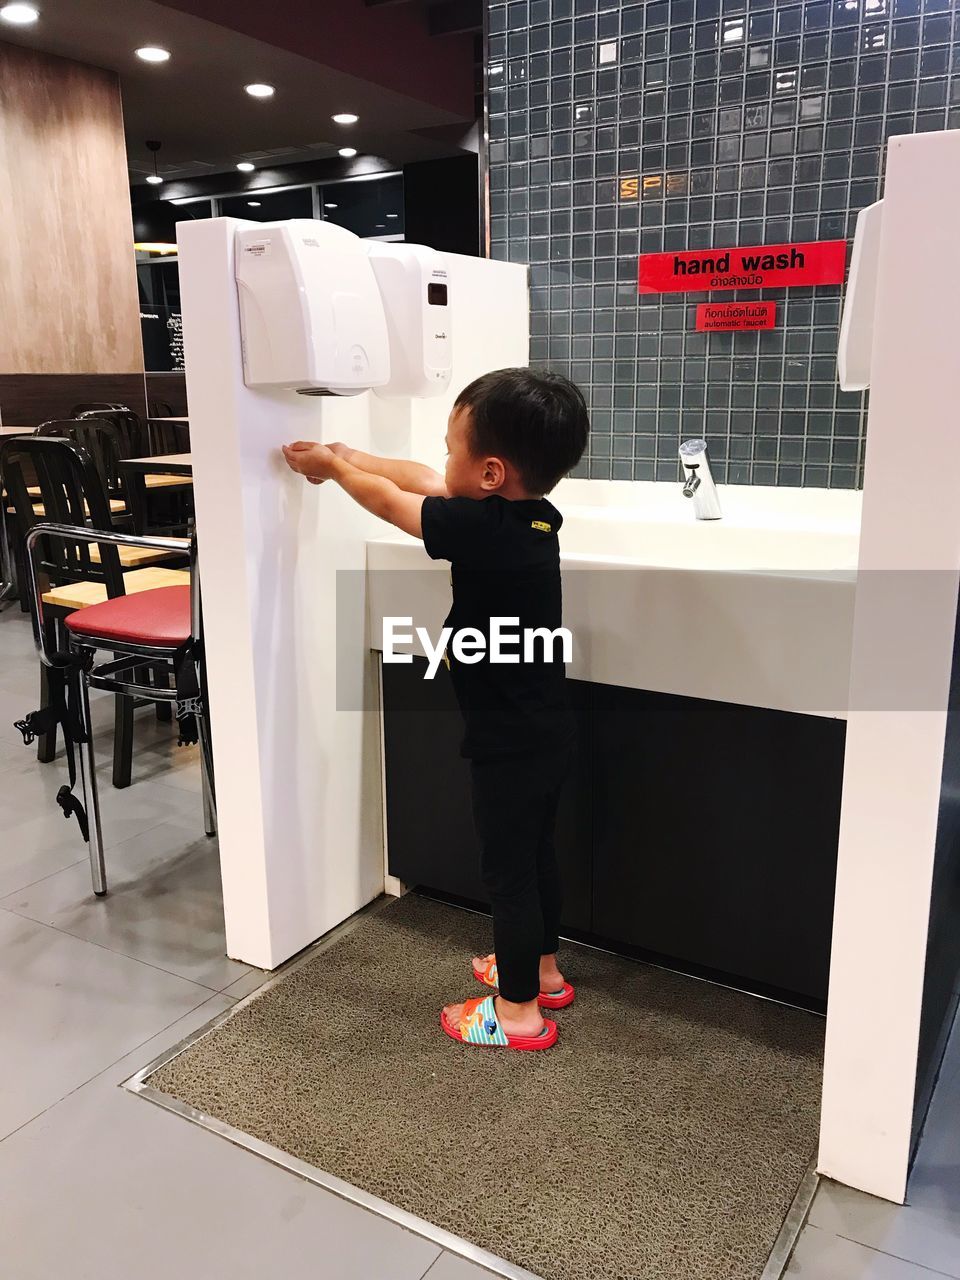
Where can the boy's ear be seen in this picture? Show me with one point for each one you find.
(494, 473)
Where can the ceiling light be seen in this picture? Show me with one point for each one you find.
(347, 152)
(260, 90)
(329, 206)
(153, 53)
(245, 166)
(154, 146)
(253, 204)
(393, 215)
(345, 117)
(20, 15)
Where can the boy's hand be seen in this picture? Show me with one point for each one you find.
(312, 460)
(341, 450)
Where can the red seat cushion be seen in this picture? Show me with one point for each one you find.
(159, 617)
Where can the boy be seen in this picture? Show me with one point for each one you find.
(512, 435)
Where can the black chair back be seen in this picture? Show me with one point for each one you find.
(71, 493)
(105, 443)
(94, 406)
(167, 437)
(60, 427)
(159, 409)
(132, 432)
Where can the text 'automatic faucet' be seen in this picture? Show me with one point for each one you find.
(698, 481)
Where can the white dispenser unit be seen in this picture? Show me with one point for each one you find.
(415, 288)
(856, 327)
(311, 316)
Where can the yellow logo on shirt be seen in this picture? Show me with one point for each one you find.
(541, 525)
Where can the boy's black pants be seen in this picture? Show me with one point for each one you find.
(514, 809)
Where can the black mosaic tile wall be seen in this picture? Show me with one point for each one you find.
(684, 124)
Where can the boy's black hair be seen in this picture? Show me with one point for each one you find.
(537, 421)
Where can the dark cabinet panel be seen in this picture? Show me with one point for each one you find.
(716, 834)
(430, 835)
(697, 833)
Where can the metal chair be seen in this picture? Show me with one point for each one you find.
(163, 626)
(70, 493)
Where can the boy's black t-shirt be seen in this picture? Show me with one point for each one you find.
(505, 559)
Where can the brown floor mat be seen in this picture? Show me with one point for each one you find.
(663, 1138)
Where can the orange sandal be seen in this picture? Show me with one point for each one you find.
(487, 974)
(480, 1025)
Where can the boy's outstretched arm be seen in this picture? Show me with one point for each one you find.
(412, 477)
(376, 494)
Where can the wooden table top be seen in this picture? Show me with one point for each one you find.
(169, 464)
(79, 595)
(11, 430)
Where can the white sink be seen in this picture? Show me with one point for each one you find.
(763, 529)
(755, 608)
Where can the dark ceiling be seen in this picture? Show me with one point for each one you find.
(407, 69)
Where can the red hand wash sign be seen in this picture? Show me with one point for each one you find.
(751, 267)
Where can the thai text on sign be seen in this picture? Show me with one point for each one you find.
(750, 267)
(716, 317)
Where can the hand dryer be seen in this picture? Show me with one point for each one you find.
(311, 315)
(415, 288)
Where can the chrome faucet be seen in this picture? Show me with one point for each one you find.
(698, 481)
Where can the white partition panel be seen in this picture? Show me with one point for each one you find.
(900, 674)
(296, 741)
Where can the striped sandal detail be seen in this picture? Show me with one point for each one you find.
(487, 974)
(479, 1025)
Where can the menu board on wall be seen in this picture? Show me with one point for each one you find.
(175, 330)
(162, 331)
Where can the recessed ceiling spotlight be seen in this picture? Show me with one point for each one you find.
(253, 204)
(329, 206)
(345, 117)
(19, 15)
(393, 215)
(347, 152)
(260, 90)
(245, 166)
(153, 53)
(154, 179)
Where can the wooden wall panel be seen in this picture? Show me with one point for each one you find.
(169, 387)
(68, 287)
(27, 399)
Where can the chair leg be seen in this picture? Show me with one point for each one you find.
(122, 740)
(209, 799)
(164, 709)
(46, 742)
(91, 798)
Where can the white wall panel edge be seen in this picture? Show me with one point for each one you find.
(900, 677)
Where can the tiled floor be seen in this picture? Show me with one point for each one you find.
(98, 1184)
